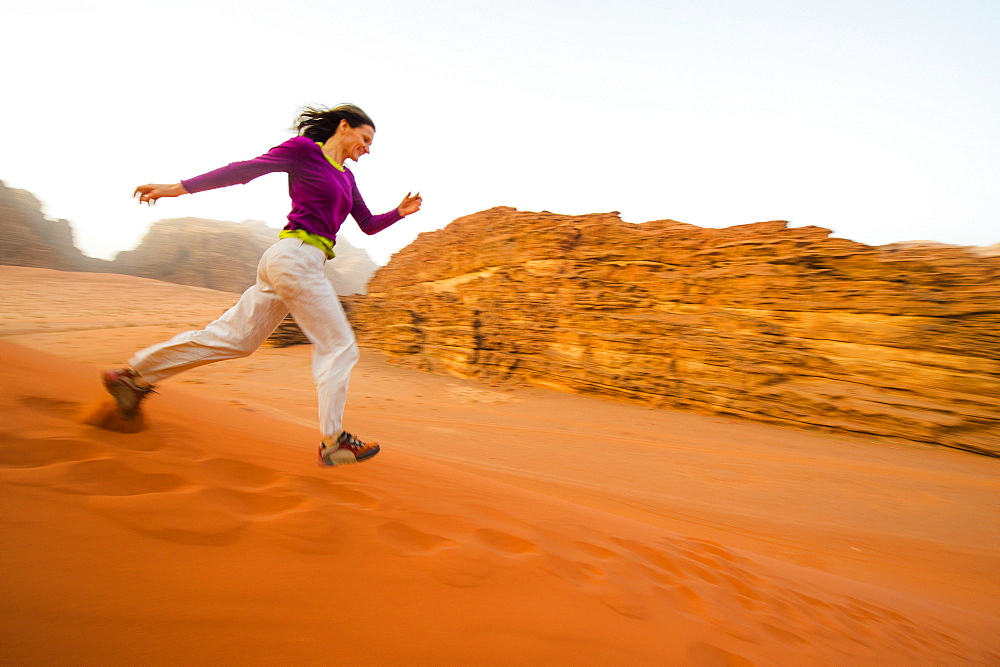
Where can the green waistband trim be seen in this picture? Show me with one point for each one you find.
(321, 242)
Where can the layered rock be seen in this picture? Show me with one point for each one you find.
(763, 321)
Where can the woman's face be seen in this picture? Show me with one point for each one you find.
(356, 141)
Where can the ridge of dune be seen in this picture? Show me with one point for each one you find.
(212, 537)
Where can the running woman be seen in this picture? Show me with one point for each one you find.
(290, 275)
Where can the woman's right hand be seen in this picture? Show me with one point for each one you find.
(150, 192)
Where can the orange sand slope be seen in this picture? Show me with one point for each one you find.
(208, 539)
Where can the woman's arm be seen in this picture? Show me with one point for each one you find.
(279, 158)
(373, 224)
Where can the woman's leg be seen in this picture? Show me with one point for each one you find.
(297, 275)
(240, 331)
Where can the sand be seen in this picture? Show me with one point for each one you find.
(498, 525)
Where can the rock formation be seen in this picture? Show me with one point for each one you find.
(190, 251)
(351, 269)
(223, 256)
(982, 251)
(202, 253)
(787, 325)
(28, 238)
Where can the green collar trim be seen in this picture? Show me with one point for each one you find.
(336, 166)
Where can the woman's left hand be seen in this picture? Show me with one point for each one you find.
(410, 204)
(148, 194)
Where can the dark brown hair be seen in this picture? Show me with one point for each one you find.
(319, 123)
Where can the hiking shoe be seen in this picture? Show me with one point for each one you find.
(123, 386)
(347, 449)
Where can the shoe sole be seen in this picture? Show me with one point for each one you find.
(332, 464)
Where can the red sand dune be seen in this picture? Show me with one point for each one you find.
(211, 537)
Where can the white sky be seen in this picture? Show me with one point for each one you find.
(875, 118)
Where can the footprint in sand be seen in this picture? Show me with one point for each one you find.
(778, 630)
(874, 625)
(596, 551)
(182, 517)
(616, 580)
(708, 655)
(621, 598)
(809, 600)
(709, 553)
(655, 575)
(575, 572)
(488, 514)
(690, 577)
(706, 574)
(461, 568)
(110, 477)
(306, 531)
(658, 558)
(39, 449)
(251, 505)
(51, 406)
(408, 540)
(235, 473)
(739, 585)
(177, 509)
(313, 524)
(504, 543)
(683, 600)
(324, 491)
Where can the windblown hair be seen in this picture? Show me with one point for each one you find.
(319, 123)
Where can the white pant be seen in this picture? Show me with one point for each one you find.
(290, 278)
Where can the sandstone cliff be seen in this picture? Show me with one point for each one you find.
(762, 321)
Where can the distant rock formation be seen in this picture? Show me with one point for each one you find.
(190, 251)
(351, 269)
(224, 255)
(982, 251)
(201, 253)
(28, 238)
(763, 321)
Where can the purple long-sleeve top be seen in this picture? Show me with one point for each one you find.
(322, 196)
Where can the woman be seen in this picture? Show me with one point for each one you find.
(290, 274)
